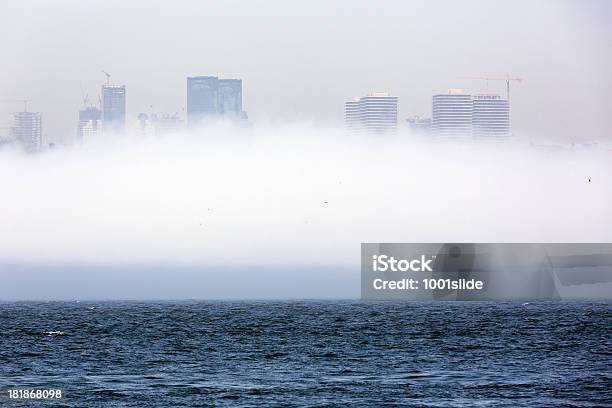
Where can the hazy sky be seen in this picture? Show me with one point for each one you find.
(302, 60)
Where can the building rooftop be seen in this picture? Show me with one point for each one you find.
(455, 91)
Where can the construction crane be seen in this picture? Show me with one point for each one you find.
(107, 77)
(83, 94)
(25, 102)
(506, 78)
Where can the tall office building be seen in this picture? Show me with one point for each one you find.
(113, 108)
(202, 98)
(352, 115)
(490, 116)
(451, 114)
(230, 97)
(374, 113)
(460, 114)
(209, 98)
(90, 123)
(27, 129)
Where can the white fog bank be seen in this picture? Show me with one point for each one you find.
(290, 193)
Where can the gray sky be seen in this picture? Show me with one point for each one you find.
(302, 60)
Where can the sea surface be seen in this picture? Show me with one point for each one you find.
(309, 353)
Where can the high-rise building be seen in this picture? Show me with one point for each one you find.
(374, 113)
(352, 115)
(113, 108)
(451, 113)
(490, 116)
(27, 129)
(460, 114)
(209, 97)
(230, 97)
(90, 124)
(202, 98)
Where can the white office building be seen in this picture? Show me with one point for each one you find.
(451, 114)
(27, 129)
(374, 113)
(458, 114)
(490, 116)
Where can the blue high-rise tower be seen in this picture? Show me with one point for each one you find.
(209, 98)
(113, 108)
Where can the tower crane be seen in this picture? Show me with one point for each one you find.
(506, 79)
(25, 102)
(84, 95)
(107, 77)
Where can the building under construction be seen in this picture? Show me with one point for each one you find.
(90, 123)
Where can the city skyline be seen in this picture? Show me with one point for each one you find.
(210, 98)
(312, 58)
(295, 187)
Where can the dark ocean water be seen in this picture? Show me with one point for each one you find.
(309, 353)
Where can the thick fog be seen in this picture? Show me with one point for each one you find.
(275, 210)
(278, 209)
